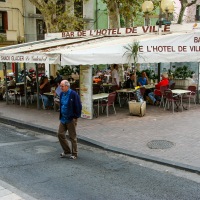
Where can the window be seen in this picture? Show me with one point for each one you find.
(3, 22)
(197, 13)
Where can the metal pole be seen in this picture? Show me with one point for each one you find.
(5, 79)
(198, 83)
(37, 82)
(16, 72)
(159, 67)
(25, 85)
(160, 16)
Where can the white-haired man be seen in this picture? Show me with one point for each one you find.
(70, 110)
(155, 96)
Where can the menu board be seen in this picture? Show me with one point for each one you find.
(86, 91)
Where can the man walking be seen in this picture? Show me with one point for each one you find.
(70, 110)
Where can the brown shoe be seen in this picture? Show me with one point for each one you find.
(148, 99)
(157, 103)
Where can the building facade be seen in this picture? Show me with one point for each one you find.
(34, 24)
(11, 22)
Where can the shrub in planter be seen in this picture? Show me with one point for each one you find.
(182, 76)
(183, 72)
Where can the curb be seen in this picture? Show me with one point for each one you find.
(90, 142)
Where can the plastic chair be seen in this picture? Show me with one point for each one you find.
(172, 86)
(170, 98)
(191, 95)
(114, 88)
(96, 88)
(109, 102)
(142, 91)
(162, 90)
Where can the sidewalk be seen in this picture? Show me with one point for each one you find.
(128, 134)
(8, 192)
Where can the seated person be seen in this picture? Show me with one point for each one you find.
(130, 82)
(154, 97)
(143, 80)
(171, 82)
(46, 87)
(96, 80)
(52, 81)
(11, 84)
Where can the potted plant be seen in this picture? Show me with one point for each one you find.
(132, 53)
(182, 76)
(66, 71)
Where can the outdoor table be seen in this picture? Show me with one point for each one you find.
(22, 83)
(128, 91)
(107, 85)
(148, 86)
(98, 97)
(180, 92)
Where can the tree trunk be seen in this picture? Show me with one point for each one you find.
(181, 14)
(69, 6)
(113, 13)
(184, 5)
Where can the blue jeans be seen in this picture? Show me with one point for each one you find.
(48, 100)
(154, 97)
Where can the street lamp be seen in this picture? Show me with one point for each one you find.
(147, 7)
(166, 6)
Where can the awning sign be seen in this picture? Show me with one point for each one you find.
(30, 58)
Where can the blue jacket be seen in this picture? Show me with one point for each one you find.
(74, 106)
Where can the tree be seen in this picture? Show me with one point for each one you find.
(184, 5)
(125, 9)
(59, 14)
(130, 10)
(113, 13)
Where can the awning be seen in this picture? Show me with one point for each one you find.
(154, 48)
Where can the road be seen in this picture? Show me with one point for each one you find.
(29, 161)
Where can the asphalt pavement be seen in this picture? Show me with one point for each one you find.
(160, 136)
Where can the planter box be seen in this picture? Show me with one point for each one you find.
(183, 84)
(65, 77)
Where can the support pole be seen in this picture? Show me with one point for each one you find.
(25, 85)
(159, 68)
(16, 72)
(5, 79)
(37, 82)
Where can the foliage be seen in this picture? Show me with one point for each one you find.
(181, 72)
(2, 38)
(68, 70)
(132, 51)
(184, 4)
(59, 15)
(128, 10)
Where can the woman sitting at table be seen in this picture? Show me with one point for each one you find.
(45, 87)
(130, 82)
(154, 97)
